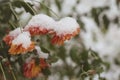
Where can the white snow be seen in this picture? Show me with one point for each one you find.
(85, 6)
(40, 53)
(66, 25)
(69, 4)
(42, 21)
(91, 30)
(16, 32)
(105, 44)
(113, 10)
(24, 39)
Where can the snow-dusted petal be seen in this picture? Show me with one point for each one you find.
(40, 24)
(22, 44)
(64, 30)
(8, 38)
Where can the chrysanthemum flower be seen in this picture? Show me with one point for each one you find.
(21, 44)
(65, 29)
(40, 24)
(31, 69)
(8, 38)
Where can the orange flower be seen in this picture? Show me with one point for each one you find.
(39, 24)
(31, 70)
(37, 30)
(59, 39)
(12, 34)
(22, 44)
(65, 29)
(19, 49)
(8, 39)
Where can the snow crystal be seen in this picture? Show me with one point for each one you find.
(66, 25)
(24, 39)
(42, 21)
(40, 53)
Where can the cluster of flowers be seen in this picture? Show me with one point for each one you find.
(20, 42)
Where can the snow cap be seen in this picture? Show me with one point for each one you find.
(66, 25)
(15, 32)
(42, 21)
(24, 39)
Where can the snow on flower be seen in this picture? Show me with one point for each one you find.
(22, 44)
(31, 69)
(8, 38)
(40, 53)
(64, 30)
(40, 24)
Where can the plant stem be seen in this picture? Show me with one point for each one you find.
(31, 8)
(1, 44)
(13, 11)
(12, 24)
(12, 72)
(48, 8)
(3, 71)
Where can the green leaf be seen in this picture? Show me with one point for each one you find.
(44, 49)
(58, 3)
(5, 14)
(74, 55)
(52, 59)
(62, 53)
(26, 6)
(46, 71)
